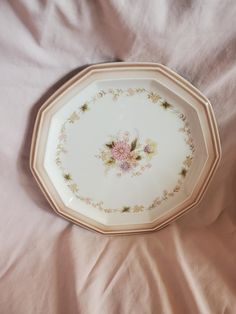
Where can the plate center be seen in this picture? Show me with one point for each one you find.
(125, 150)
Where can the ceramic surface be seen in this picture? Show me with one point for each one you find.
(125, 147)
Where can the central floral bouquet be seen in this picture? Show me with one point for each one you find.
(127, 155)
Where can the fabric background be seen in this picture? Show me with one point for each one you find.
(48, 265)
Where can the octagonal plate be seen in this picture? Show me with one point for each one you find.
(124, 148)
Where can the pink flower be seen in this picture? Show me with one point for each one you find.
(147, 149)
(121, 150)
(125, 166)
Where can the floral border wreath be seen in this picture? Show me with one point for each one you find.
(116, 93)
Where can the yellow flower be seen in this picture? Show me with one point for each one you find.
(105, 156)
(134, 157)
(153, 97)
(73, 187)
(110, 162)
(73, 117)
(188, 161)
(150, 149)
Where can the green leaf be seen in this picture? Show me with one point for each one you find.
(183, 172)
(134, 144)
(110, 145)
(84, 107)
(125, 209)
(166, 105)
(67, 176)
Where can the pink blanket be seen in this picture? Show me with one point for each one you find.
(48, 265)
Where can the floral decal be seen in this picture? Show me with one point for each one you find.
(125, 155)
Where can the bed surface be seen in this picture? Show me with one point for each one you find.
(48, 265)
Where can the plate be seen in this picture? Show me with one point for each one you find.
(125, 147)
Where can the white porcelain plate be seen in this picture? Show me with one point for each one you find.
(125, 147)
